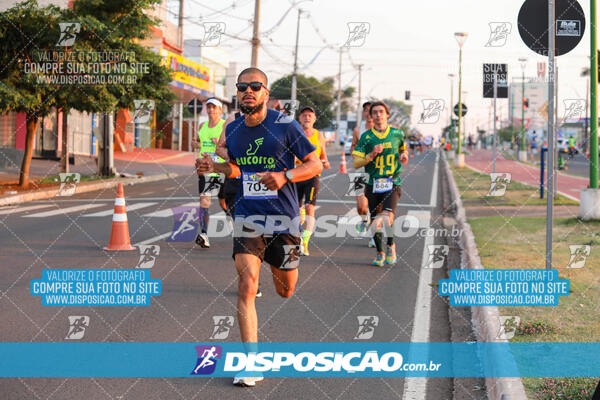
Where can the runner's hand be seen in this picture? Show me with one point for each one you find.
(326, 164)
(376, 150)
(215, 140)
(272, 180)
(404, 158)
(205, 164)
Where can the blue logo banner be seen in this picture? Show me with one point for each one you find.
(503, 287)
(344, 359)
(95, 287)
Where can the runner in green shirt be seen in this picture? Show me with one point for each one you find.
(381, 150)
(206, 142)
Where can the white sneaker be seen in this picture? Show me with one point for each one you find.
(246, 381)
(371, 243)
(202, 240)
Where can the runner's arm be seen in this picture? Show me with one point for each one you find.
(195, 139)
(231, 170)
(221, 150)
(324, 158)
(206, 165)
(403, 152)
(355, 137)
(311, 166)
(361, 161)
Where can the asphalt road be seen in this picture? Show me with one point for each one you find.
(336, 285)
(579, 165)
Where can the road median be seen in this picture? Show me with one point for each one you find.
(508, 232)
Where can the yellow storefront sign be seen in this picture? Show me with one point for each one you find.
(187, 73)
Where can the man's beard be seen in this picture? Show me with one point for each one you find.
(249, 110)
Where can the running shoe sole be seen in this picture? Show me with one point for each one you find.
(246, 381)
(201, 242)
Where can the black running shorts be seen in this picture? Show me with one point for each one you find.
(281, 250)
(385, 201)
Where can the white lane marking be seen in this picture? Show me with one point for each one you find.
(415, 205)
(416, 388)
(434, 184)
(62, 211)
(168, 212)
(17, 209)
(328, 176)
(129, 199)
(154, 239)
(130, 207)
(218, 216)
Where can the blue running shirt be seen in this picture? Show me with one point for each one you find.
(268, 147)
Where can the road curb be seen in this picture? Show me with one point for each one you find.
(528, 184)
(81, 188)
(484, 320)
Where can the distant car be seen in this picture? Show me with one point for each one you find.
(347, 145)
(563, 146)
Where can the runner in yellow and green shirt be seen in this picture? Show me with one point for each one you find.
(382, 150)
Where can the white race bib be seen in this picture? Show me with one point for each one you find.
(253, 189)
(381, 185)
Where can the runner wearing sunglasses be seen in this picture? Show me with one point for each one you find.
(262, 151)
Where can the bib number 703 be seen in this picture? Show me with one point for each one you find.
(253, 189)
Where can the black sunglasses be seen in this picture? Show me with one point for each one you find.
(255, 86)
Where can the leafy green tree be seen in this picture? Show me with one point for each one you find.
(26, 28)
(29, 36)
(400, 113)
(319, 94)
(507, 133)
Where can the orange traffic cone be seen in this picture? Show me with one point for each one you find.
(343, 169)
(119, 233)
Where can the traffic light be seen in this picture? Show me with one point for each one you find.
(407, 95)
(525, 103)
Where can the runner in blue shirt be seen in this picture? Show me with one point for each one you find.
(261, 146)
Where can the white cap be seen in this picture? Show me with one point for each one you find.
(214, 102)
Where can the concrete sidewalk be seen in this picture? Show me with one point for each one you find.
(481, 160)
(145, 161)
(141, 165)
(138, 166)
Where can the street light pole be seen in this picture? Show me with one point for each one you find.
(339, 96)
(296, 59)
(358, 106)
(255, 31)
(522, 151)
(549, 182)
(451, 128)
(593, 98)
(589, 205)
(461, 37)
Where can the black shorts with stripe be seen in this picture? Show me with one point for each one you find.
(308, 190)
